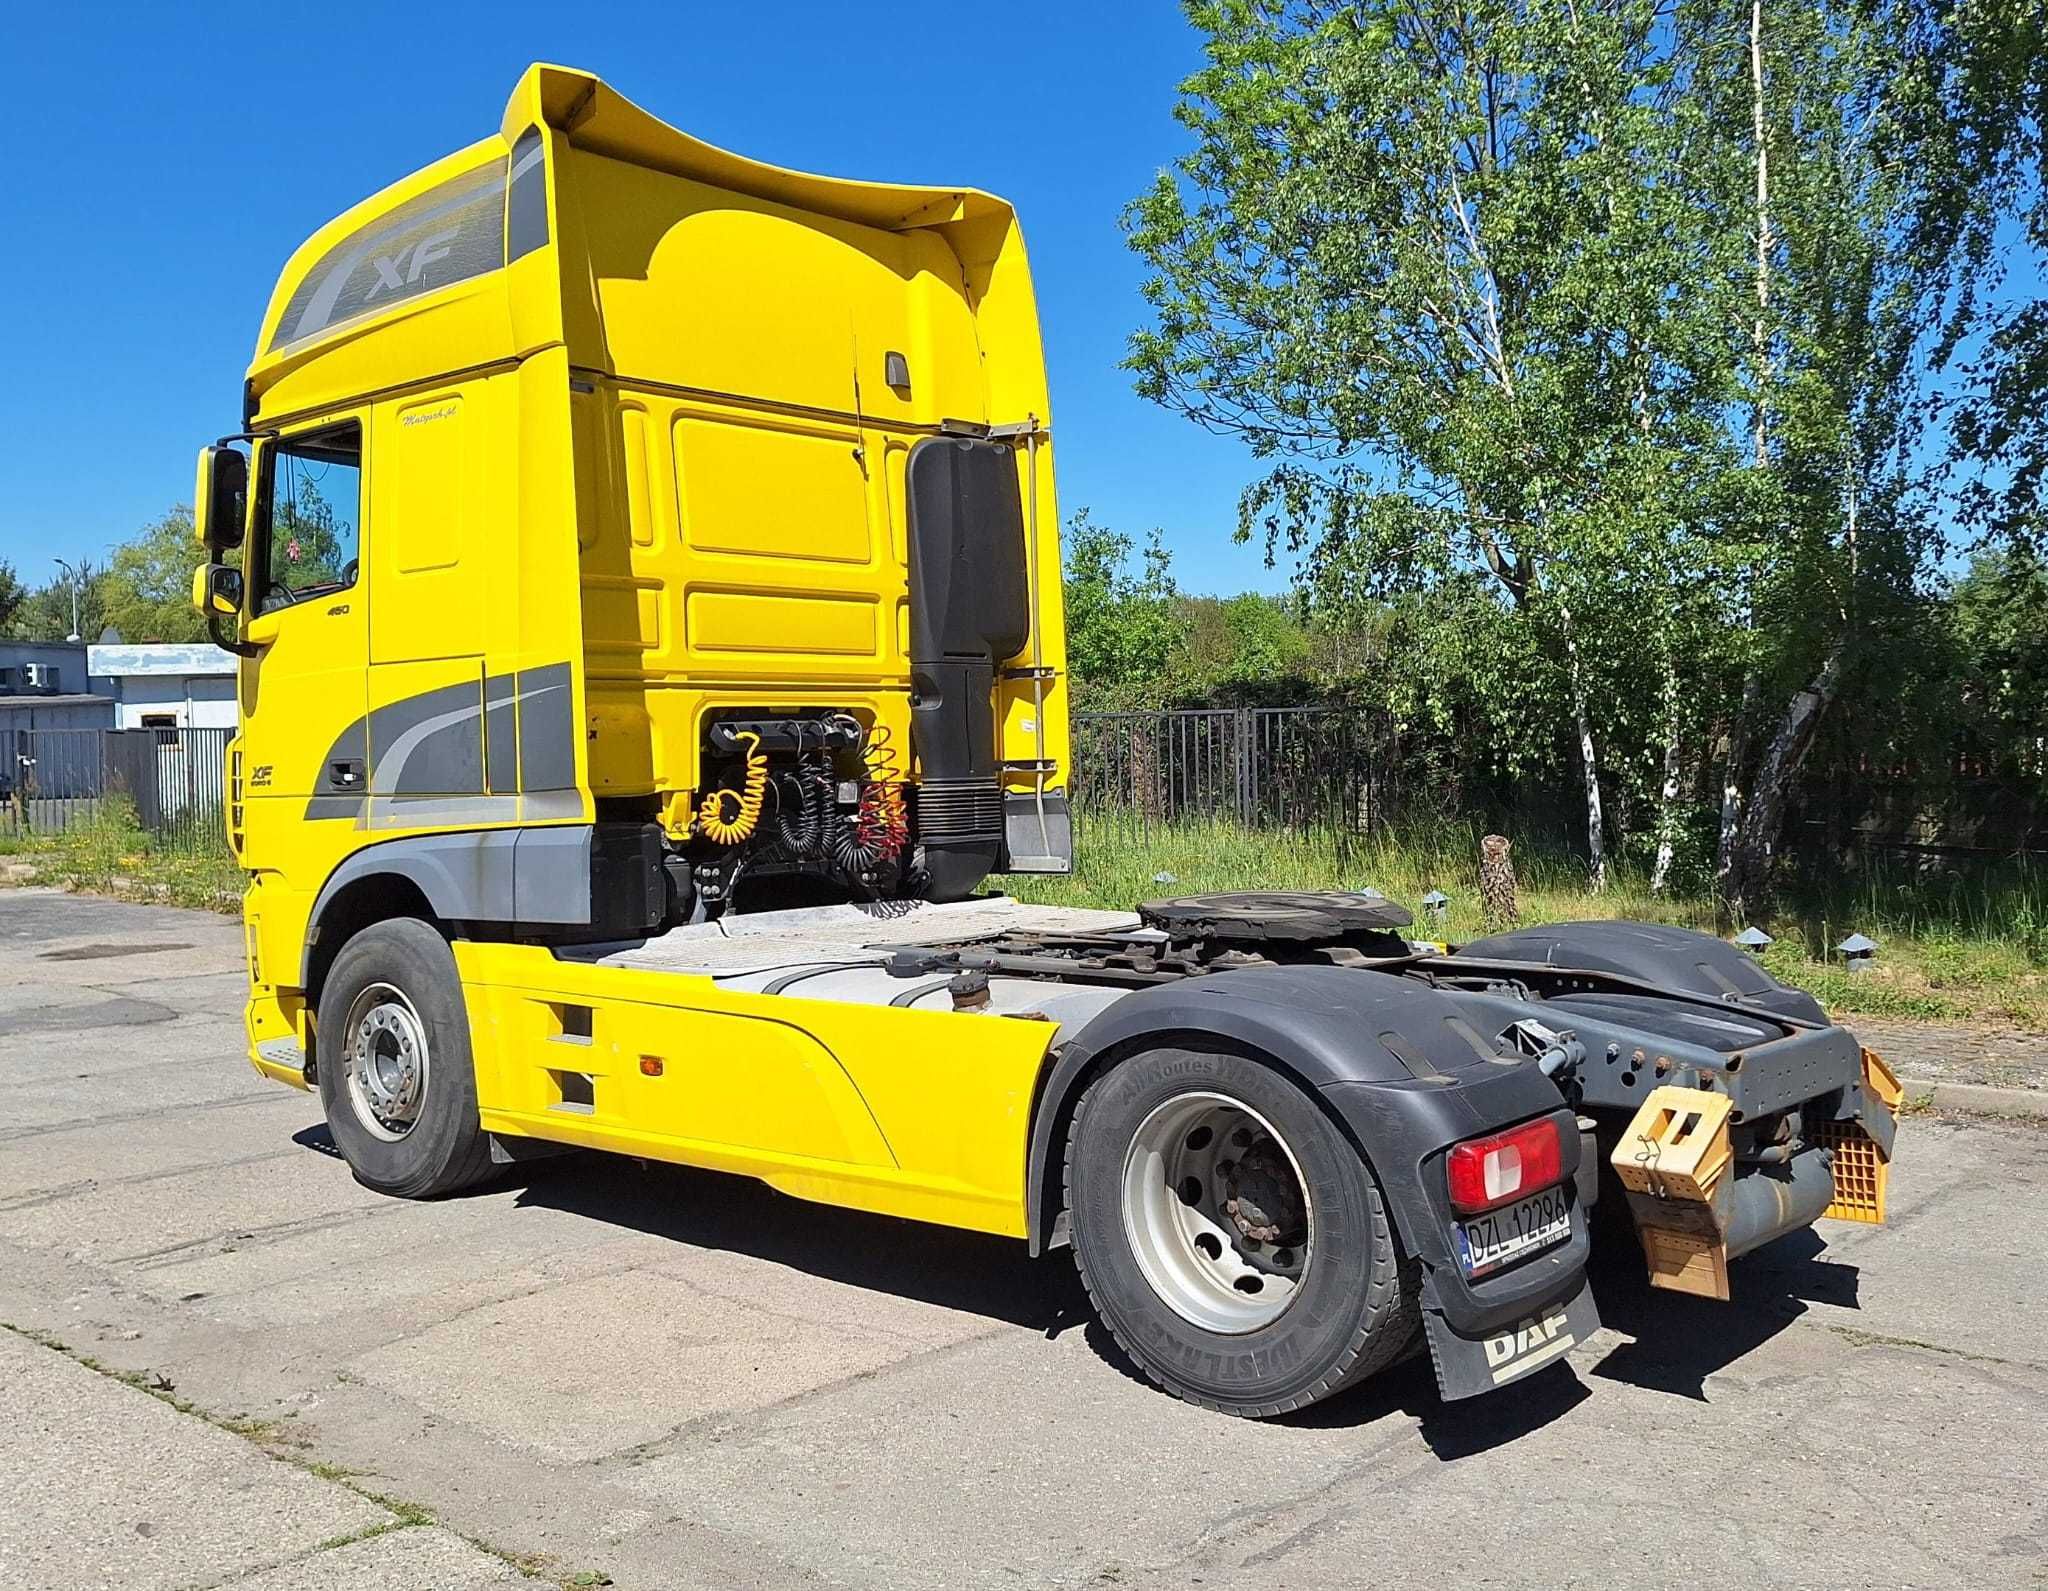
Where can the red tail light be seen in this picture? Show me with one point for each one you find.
(1486, 1172)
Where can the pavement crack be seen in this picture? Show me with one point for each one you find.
(346, 1539)
(255, 1236)
(660, 1446)
(1317, 1527)
(42, 1196)
(264, 1436)
(1240, 1523)
(146, 1113)
(739, 1300)
(1858, 1337)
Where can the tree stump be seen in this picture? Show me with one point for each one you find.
(1497, 884)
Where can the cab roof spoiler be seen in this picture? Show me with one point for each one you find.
(598, 118)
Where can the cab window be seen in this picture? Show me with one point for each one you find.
(308, 541)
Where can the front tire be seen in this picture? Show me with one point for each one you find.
(1232, 1239)
(394, 1066)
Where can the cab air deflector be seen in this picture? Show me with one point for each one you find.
(969, 610)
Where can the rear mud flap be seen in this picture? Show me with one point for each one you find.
(1468, 1366)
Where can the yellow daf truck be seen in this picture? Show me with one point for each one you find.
(643, 566)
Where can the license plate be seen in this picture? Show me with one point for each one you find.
(1500, 1237)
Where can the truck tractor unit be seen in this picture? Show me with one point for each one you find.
(644, 570)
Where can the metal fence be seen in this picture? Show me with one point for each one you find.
(1269, 767)
(176, 780)
(1289, 767)
(1345, 771)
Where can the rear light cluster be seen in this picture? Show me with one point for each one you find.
(1488, 1172)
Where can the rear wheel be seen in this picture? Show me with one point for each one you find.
(1233, 1240)
(394, 1064)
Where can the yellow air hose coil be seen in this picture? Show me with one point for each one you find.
(711, 819)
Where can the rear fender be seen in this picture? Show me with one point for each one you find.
(1651, 953)
(1383, 1054)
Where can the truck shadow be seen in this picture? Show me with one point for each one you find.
(988, 1276)
(1451, 1431)
(966, 1271)
(1677, 1342)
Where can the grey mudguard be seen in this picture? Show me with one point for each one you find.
(1404, 1075)
(1468, 1366)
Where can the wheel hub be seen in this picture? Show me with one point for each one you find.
(1261, 1196)
(386, 1061)
(1216, 1213)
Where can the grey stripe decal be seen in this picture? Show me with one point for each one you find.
(501, 743)
(453, 196)
(448, 755)
(526, 197)
(398, 728)
(536, 805)
(439, 754)
(547, 732)
(418, 812)
(351, 745)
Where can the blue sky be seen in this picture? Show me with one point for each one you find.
(162, 162)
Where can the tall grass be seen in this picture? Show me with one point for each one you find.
(1119, 862)
(1953, 948)
(110, 853)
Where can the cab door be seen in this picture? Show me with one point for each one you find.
(304, 692)
(438, 758)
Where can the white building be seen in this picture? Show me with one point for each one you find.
(161, 686)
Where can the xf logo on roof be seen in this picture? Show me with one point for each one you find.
(432, 247)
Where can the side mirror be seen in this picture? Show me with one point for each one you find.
(217, 591)
(220, 500)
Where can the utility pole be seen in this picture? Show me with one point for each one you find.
(71, 575)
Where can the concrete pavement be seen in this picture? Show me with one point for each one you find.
(1939, 1054)
(667, 1378)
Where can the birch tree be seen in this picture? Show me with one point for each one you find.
(1838, 314)
(1427, 260)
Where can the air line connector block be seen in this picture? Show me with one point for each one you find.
(917, 963)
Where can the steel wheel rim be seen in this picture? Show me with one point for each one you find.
(385, 1060)
(1217, 1213)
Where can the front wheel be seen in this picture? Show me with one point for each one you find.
(394, 1063)
(1231, 1238)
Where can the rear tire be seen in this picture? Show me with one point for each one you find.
(1233, 1241)
(394, 1065)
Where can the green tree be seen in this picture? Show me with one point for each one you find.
(1433, 263)
(1243, 645)
(148, 584)
(1595, 324)
(1124, 632)
(310, 546)
(46, 613)
(1838, 314)
(1966, 125)
(12, 594)
(1999, 615)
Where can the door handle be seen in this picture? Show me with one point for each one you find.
(346, 775)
